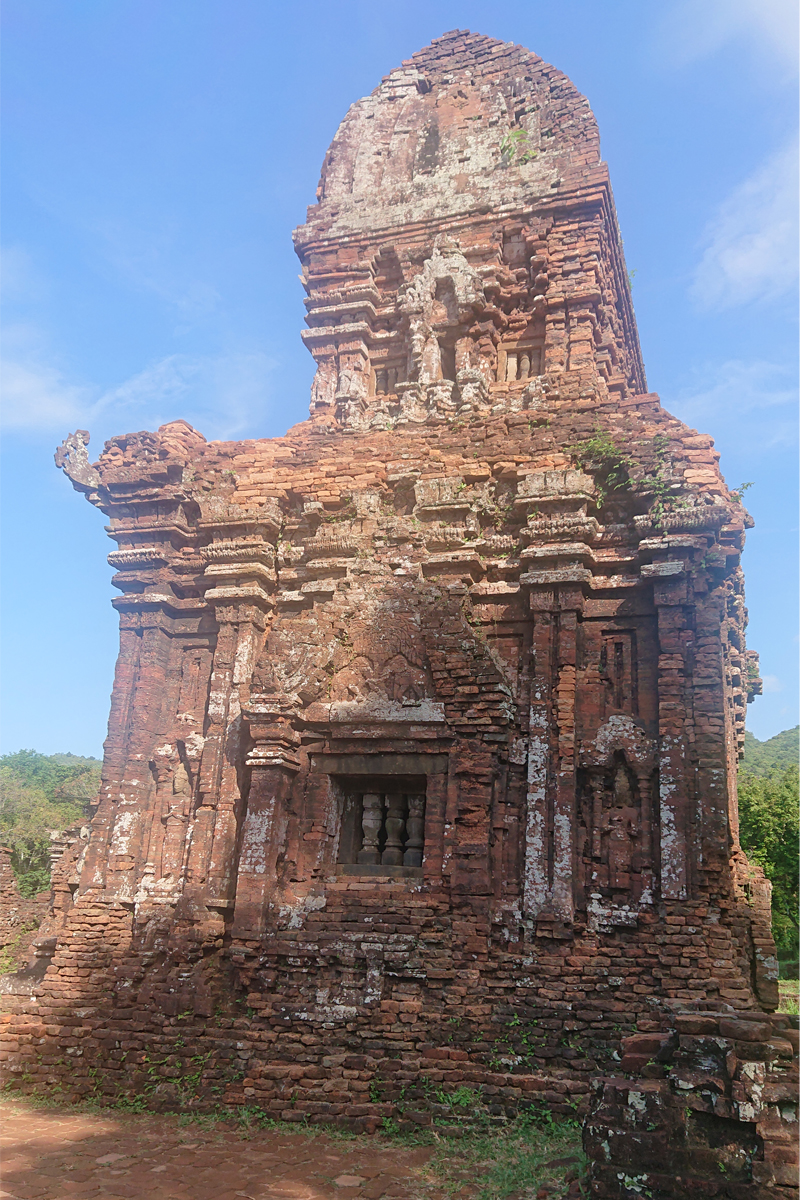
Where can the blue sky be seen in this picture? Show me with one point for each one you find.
(157, 155)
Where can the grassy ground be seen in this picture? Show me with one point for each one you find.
(788, 990)
(516, 1162)
(512, 1162)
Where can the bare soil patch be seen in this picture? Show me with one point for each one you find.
(55, 1153)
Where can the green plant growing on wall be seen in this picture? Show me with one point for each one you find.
(606, 461)
(657, 483)
(516, 148)
(10, 959)
(737, 493)
(346, 513)
(462, 1097)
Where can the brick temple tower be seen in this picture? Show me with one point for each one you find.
(427, 715)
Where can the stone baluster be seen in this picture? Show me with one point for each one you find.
(371, 821)
(395, 829)
(415, 828)
(524, 366)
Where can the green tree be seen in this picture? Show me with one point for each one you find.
(769, 816)
(59, 776)
(39, 795)
(762, 758)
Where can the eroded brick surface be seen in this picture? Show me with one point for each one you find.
(711, 1110)
(423, 740)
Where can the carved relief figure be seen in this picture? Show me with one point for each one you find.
(387, 658)
(622, 830)
(617, 836)
(439, 305)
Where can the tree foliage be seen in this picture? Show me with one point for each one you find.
(769, 816)
(763, 758)
(39, 795)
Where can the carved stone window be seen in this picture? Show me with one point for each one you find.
(383, 825)
(519, 362)
(387, 377)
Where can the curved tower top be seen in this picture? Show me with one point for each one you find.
(464, 255)
(467, 122)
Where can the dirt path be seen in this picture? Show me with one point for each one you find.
(55, 1154)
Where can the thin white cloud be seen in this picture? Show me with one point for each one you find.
(157, 388)
(771, 683)
(21, 281)
(755, 395)
(751, 244)
(34, 392)
(749, 251)
(690, 30)
(223, 395)
(36, 396)
(148, 257)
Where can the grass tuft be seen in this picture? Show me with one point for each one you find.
(788, 990)
(516, 1160)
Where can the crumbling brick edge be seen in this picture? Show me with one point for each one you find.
(708, 1106)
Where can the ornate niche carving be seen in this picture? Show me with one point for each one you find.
(352, 390)
(386, 662)
(615, 835)
(388, 352)
(193, 694)
(172, 772)
(438, 308)
(618, 672)
(518, 291)
(387, 349)
(176, 809)
(616, 828)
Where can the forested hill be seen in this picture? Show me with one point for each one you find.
(762, 758)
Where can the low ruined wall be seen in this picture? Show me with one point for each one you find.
(376, 1007)
(20, 917)
(707, 1106)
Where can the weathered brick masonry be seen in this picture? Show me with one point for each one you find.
(712, 1110)
(423, 740)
